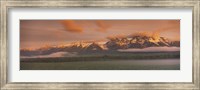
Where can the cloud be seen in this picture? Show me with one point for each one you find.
(140, 34)
(166, 29)
(102, 27)
(71, 26)
(56, 54)
(113, 37)
(172, 25)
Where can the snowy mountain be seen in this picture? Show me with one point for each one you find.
(113, 44)
(140, 42)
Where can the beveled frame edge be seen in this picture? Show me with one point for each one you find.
(6, 4)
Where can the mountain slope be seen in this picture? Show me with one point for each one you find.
(113, 44)
(140, 42)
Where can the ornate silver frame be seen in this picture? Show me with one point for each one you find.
(7, 4)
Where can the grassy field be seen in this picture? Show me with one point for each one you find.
(120, 61)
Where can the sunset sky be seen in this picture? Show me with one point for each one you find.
(37, 33)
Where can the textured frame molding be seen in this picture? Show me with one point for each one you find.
(6, 4)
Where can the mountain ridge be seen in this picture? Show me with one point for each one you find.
(113, 44)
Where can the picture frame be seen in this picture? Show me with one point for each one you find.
(4, 44)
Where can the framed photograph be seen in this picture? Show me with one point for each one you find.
(88, 45)
(121, 44)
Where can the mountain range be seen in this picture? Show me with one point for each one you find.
(113, 44)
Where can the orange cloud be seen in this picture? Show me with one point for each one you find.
(174, 25)
(102, 27)
(71, 26)
(113, 37)
(141, 34)
(166, 29)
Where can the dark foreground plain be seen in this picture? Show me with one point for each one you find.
(122, 61)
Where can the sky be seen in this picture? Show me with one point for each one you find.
(37, 33)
